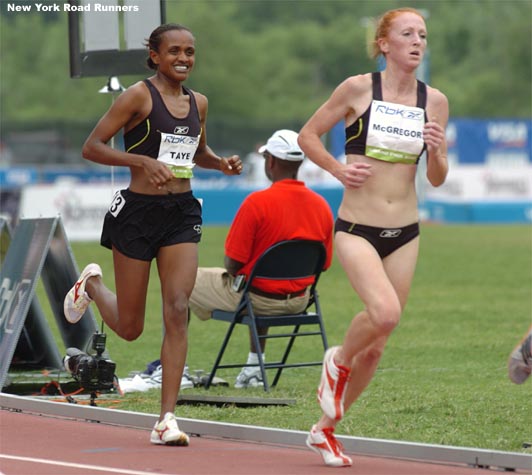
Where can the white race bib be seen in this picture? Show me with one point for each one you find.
(177, 151)
(395, 132)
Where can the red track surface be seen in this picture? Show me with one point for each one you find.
(34, 444)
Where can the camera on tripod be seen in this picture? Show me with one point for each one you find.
(92, 372)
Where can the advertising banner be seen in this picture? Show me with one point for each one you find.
(498, 142)
(82, 207)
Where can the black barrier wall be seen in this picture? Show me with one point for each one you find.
(37, 250)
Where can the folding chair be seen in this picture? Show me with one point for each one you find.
(285, 260)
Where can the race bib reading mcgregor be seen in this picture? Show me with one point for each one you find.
(395, 132)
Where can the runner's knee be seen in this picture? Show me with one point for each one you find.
(131, 332)
(386, 315)
(176, 314)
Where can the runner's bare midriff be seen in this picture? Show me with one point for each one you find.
(141, 184)
(387, 198)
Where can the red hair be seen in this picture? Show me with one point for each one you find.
(383, 26)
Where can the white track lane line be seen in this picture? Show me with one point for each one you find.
(80, 465)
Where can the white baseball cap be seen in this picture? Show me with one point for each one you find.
(283, 144)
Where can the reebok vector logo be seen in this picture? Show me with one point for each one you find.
(390, 233)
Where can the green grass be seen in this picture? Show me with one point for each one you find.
(442, 379)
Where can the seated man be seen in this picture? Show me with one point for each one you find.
(285, 210)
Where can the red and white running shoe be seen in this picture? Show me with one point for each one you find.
(167, 432)
(324, 442)
(77, 300)
(333, 384)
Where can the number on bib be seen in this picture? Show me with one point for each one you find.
(117, 204)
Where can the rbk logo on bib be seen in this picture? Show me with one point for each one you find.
(177, 151)
(395, 132)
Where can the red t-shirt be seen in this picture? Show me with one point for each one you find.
(285, 210)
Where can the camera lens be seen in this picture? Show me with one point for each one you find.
(71, 360)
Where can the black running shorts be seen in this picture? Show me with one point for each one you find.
(139, 225)
(384, 240)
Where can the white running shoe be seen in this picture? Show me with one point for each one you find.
(166, 432)
(324, 442)
(187, 382)
(249, 377)
(77, 300)
(333, 384)
(156, 378)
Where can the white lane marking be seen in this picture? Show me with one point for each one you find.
(80, 465)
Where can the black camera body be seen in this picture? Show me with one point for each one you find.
(92, 372)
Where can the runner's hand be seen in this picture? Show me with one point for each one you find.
(231, 166)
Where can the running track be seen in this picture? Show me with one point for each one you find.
(44, 444)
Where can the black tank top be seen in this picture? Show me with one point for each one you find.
(356, 134)
(145, 138)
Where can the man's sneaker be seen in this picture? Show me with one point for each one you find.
(151, 367)
(333, 384)
(186, 380)
(249, 377)
(156, 378)
(77, 300)
(520, 362)
(167, 432)
(324, 442)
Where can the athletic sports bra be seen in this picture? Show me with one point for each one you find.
(167, 138)
(397, 123)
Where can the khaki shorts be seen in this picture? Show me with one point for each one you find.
(212, 291)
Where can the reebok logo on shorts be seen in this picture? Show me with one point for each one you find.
(390, 233)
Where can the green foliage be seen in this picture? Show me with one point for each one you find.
(277, 60)
(443, 376)
(477, 58)
(35, 79)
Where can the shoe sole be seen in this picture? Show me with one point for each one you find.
(246, 386)
(252, 382)
(181, 442)
(66, 309)
(316, 450)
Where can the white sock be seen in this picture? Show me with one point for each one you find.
(253, 358)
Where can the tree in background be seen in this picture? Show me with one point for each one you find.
(272, 61)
